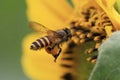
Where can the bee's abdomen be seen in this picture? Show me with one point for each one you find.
(40, 43)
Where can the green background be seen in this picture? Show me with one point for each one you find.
(13, 28)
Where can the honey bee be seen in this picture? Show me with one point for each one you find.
(51, 42)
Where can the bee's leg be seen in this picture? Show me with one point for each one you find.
(49, 49)
(56, 56)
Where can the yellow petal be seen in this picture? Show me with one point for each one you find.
(76, 3)
(52, 14)
(108, 30)
(39, 65)
(107, 6)
(79, 3)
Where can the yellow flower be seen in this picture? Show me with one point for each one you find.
(38, 65)
(108, 7)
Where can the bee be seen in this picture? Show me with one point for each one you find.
(51, 42)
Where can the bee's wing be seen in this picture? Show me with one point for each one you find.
(41, 29)
(37, 27)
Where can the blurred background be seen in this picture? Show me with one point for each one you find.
(13, 28)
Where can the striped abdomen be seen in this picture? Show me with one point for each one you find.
(40, 43)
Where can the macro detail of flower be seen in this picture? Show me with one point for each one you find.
(91, 22)
(53, 14)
